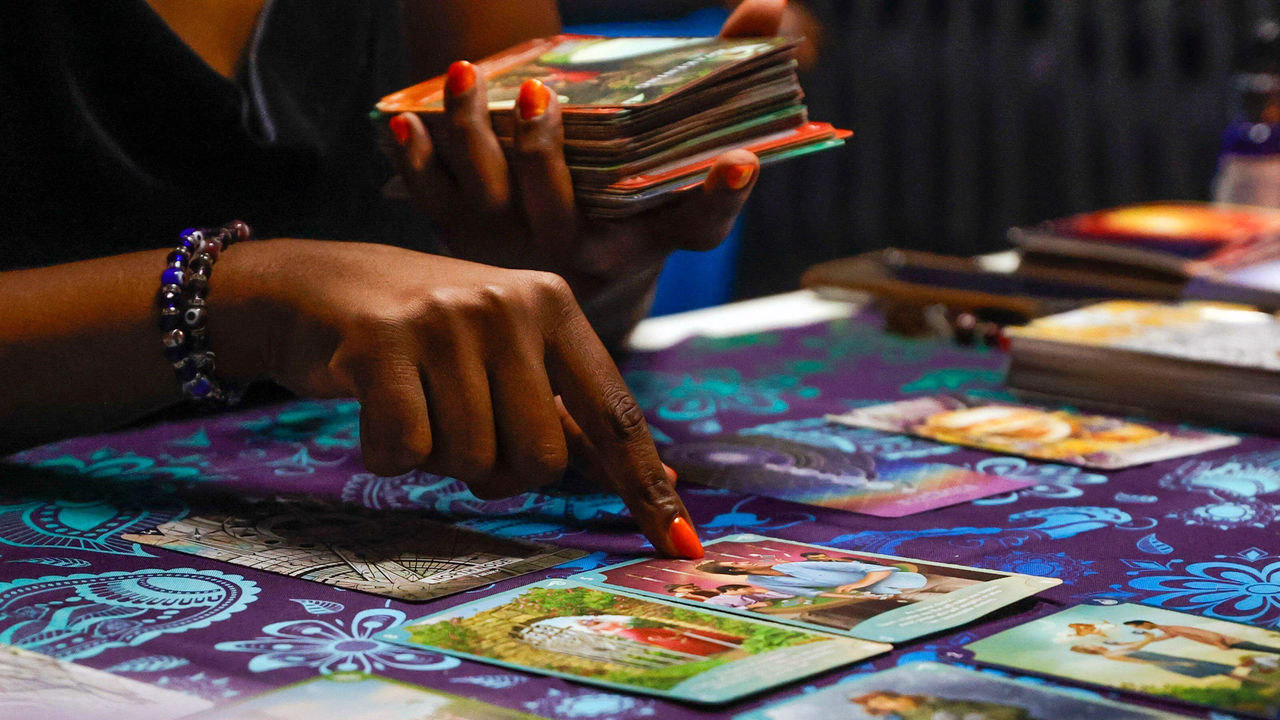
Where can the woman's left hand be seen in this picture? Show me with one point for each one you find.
(519, 211)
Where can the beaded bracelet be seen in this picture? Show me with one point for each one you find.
(184, 286)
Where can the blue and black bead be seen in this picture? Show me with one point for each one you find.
(173, 276)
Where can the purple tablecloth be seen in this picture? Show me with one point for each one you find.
(1193, 534)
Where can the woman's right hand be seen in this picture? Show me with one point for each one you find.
(489, 375)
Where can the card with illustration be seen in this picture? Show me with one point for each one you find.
(864, 595)
(357, 696)
(831, 477)
(1223, 665)
(40, 687)
(1063, 436)
(395, 554)
(932, 691)
(1197, 332)
(632, 643)
(589, 72)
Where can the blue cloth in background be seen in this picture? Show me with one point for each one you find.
(690, 280)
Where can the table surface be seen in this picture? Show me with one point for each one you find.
(1192, 534)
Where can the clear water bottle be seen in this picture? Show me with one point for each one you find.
(1249, 164)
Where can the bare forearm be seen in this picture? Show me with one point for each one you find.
(79, 349)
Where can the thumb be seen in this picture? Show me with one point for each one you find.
(755, 18)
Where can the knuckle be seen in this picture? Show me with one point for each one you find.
(494, 295)
(535, 146)
(473, 464)
(381, 461)
(414, 448)
(626, 417)
(442, 317)
(654, 491)
(550, 289)
(460, 121)
(494, 305)
(494, 198)
(546, 461)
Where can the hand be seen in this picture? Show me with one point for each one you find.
(519, 211)
(488, 375)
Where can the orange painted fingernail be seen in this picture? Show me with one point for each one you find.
(685, 539)
(738, 176)
(461, 77)
(671, 473)
(533, 99)
(399, 125)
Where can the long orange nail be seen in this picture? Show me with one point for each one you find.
(738, 176)
(671, 473)
(399, 125)
(461, 77)
(685, 539)
(533, 100)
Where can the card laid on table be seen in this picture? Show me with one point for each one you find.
(930, 690)
(1223, 665)
(628, 642)
(357, 696)
(40, 687)
(1095, 441)
(830, 477)
(395, 554)
(864, 595)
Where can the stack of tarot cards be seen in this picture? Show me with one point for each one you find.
(1201, 362)
(1186, 250)
(1181, 237)
(646, 117)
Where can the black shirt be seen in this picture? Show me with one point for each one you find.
(115, 135)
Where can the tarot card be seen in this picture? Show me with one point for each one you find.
(831, 477)
(628, 642)
(357, 696)
(1226, 666)
(742, 132)
(620, 206)
(601, 72)
(1095, 441)
(699, 163)
(932, 690)
(398, 555)
(863, 595)
(38, 686)
(1198, 332)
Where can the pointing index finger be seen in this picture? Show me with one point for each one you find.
(596, 396)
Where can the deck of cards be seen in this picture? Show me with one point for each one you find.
(1202, 362)
(646, 117)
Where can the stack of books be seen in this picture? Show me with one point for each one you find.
(645, 118)
(1201, 362)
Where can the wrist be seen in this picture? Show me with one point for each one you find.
(240, 313)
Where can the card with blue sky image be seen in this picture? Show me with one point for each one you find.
(1136, 648)
(854, 480)
(865, 595)
(358, 696)
(928, 690)
(632, 643)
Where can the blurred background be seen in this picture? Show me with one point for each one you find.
(970, 116)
